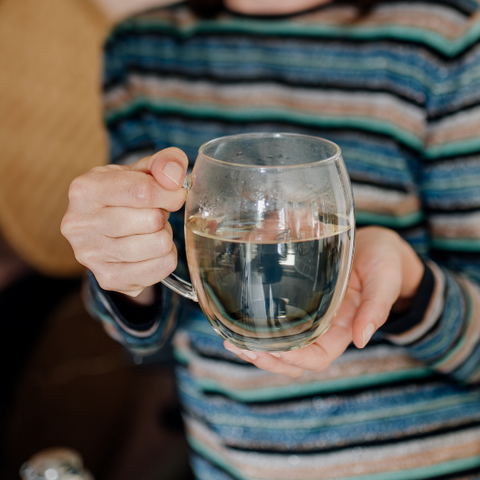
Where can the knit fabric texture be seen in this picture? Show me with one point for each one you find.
(399, 91)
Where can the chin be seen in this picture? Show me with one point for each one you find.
(272, 7)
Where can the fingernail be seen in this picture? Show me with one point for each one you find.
(249, 354)
(275, 354)
(368, 331)
(174, 172)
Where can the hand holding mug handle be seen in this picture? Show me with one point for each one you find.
(117, 220)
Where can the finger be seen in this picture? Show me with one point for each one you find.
(319, 355)
(118, 222)
(377, 298)
(139, 248)
(112, 276)
(120, 187)
(168, 167)
(265, 361)
(316, 357)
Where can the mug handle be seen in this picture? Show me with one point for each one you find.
(180, 286)
(174, 282)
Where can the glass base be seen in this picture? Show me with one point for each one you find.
(270, 344)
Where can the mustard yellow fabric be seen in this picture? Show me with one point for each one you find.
(50, 121)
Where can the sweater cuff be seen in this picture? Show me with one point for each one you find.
(422, 323)
(397, 324)
(133, 325)
(136, 316)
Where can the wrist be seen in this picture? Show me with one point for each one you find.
(403, 321)
(135, 313)
(412, 273)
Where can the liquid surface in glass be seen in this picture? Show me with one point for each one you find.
(262, 289)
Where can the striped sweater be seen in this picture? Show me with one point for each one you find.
(399, 91)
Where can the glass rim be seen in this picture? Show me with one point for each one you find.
(334, 157)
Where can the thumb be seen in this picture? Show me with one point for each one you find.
(168, 167)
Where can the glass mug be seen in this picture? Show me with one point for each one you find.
(269, 233)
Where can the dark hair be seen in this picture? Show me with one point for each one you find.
(209, 8)
(205, 8)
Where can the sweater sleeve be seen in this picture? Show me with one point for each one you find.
(447, 336)
(139, 333)
(142, 331)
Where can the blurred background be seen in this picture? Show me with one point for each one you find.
(64, 383)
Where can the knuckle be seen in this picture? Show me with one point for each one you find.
(143, 192)
(169, 263)
(86, 257)
(179, 154)
(73, 226)
(79, 188)
(298, 364)
(293, 361)
(67, 226)
(165, 242)
(107, 168)
(107, 279)
(157, 220)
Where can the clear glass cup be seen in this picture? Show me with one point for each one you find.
(269, 232)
